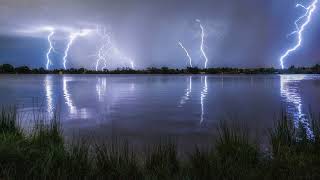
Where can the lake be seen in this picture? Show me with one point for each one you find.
(143, 107)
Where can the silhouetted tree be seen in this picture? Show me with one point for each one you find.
(42, 70)
(82, 70)
(23, 70)
(193, 70)
(316, 68)
(7, 68)
(165, 70)
(292, 67)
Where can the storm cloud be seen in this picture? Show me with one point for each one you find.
(239, 33)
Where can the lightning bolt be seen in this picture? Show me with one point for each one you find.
(202, 44)
(52, 31)
(187, 54)
(123, 57)
(132, 64)
(108, 49)
(300, 29)
(98, 60)
(73, 36)
(102, 54)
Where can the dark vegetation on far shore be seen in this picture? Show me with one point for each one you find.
(9, 69)
(44, 154)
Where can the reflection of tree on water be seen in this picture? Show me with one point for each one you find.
(290, 92)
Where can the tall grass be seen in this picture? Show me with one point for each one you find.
(294, 153)
(43, 154)
(162, 162)
(9, 121)
(115, 161)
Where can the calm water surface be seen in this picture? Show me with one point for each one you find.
(158, 105)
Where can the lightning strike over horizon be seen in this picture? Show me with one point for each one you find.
(108, 50)
(73, 36)
(52, 31)
(202, 43)
(105, 48)
(102, 55)
(300, 29)
(187, 53)
(120, 55)
(132, 64)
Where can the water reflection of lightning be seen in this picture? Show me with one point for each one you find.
(202, 44)
(188, 92)
(290, 92)
(49, 93)
(73, 36)
(67, 96)
(300, 29)
(203, 95)
(187, 54)
(52, 31)
(101, 88)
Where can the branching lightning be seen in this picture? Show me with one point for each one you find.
(108, 50)
(73, 36)
(187, 54)
(102, 55)
(123, 57)
(104, 50)
(202, 44)
(300, 29)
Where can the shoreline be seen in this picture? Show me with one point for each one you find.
(9, 69)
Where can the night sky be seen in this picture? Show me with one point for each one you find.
(239, 33)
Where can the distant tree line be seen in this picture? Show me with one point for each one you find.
(9, 69)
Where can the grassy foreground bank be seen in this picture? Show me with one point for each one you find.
(43, 154)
